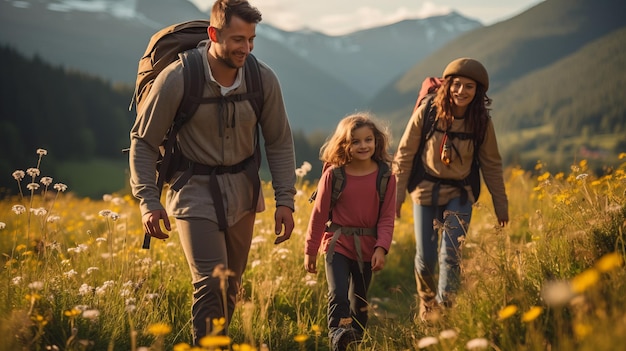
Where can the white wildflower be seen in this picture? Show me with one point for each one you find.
(255, 263)
(53, 219)
(582, 176)
(448, 334)
(104, 213)
(427, 341)
(91, 314)
(18, 209)
(42, 152)
(92, 269)
(107, 197)
(152, 296)
(39, 211)
(32, 186)
(33, 172)
(477, 344)
(37, 285)
(70, 273)
(46, 181)
(85, 289)
(16, 280)
(300, 172)
(18, 175)
(557, 293)
(3, 225)
(60, 187)
(309, 280)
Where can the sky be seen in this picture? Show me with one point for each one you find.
(337, 17)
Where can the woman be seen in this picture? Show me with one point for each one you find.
(443, 196)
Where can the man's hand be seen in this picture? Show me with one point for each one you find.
(152, 223)
(284, 221)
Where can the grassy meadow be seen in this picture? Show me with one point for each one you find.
(76, 278)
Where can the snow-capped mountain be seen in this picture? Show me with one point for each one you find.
(322, 76)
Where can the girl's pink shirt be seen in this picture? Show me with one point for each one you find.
(356, 207)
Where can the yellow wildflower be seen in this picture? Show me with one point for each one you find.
(33, 296)
(301, 338)
(159, 329)
(609, 261)
(74, 312)
(581, 330)
(243, 347)
(585, 280)
(215, 341)
(542, 178)
(182, 347)
(532, 314)
(507, 312)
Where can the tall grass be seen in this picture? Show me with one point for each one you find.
(75, 276)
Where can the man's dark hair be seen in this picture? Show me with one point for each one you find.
(224, 10)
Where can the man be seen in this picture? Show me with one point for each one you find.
(222, 137)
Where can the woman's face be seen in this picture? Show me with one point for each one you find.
(462, 91)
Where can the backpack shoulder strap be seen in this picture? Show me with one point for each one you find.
(339, 183)
(382, 179)
(192, 68)
(193, 78)
(254, 84)
(428, 128)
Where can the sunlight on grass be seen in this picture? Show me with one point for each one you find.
(75, 276)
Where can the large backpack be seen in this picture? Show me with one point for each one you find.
(339, 183)
(179, 41)
(429, 88)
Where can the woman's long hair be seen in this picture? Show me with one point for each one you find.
(477, 113)
(336, 149)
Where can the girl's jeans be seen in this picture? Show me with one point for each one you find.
(453, 218)
(347, 291)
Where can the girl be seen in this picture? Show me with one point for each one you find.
(443, 197)
(356, 232)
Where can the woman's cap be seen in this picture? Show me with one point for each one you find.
(470, 68)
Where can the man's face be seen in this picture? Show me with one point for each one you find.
(235, 42)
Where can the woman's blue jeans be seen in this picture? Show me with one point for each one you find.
(433, 250)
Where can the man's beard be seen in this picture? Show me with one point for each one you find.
(227, 61)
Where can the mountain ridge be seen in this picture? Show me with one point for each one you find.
(108, 39)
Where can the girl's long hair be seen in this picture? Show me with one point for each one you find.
(336, 149)
(476, 116)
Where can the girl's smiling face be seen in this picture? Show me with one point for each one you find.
(363, 144)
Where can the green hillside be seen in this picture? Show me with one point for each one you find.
(556, 74)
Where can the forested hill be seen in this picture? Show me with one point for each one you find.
(76, 116)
